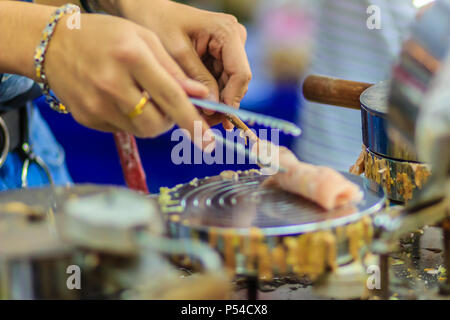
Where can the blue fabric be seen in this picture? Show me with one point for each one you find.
(45, 146)
(12, 85)
(42, 142)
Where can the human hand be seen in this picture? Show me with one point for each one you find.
(208, 46)
(101, 70)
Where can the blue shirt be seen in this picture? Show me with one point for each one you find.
(42, 141)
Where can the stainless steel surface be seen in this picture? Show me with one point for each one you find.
(245, 150)
(245, 203)
(375, 125)
(35, 251)
(31, 157)
(33, 258)
(41, 199)
(248, 116)
(375, 98)
(402, 221)
(388, 178)
(209, 259)
(234, 214)
(107, 222)
(419, 116)
(33, 263)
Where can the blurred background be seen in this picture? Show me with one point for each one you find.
(279, 44)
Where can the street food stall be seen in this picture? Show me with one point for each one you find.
(380, 231)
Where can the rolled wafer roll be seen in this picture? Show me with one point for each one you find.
(325, 186)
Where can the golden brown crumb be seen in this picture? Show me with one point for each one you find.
(229, 175)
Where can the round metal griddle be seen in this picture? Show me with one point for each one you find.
(241, 204)
(254, 225)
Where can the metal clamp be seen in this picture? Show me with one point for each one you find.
(4, 136)
(30, 157)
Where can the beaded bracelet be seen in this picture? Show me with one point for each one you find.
(41, 49)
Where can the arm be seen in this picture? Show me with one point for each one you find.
(57, 3)
(99, 73)
(108, 6)
(208, 46)
(24, 24)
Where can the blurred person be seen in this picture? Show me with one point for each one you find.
(346, 48)
(101, 70)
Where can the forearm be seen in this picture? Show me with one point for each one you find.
(21, 25)
(57, 3)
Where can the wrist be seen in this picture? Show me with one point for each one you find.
(23, 24)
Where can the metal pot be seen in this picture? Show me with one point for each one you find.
(388, 162)
(374, 120)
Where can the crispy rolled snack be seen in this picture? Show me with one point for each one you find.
(325, 186)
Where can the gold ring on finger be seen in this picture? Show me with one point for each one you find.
(139, 108)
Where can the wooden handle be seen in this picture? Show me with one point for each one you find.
(332, 91)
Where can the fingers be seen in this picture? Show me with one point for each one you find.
(169, 96)
(150, 123)
(215, 119)
(228, 48)
(214, 66)
(190, 61)
(242, 33)
(192, 87)
(237, 68)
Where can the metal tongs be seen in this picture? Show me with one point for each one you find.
(131, 163)
(237, 116)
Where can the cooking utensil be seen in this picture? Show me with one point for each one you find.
(375, 126)
(131, 162)
(387, 158)
(399, 179)
(112, 234)
(234, 216)
(249, 116)
(372, 101)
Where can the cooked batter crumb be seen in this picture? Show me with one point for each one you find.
(229, 175)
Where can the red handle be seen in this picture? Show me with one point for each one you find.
(130, 161)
